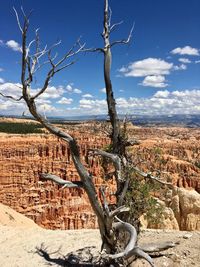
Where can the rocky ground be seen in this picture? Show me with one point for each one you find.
(23, 243)
(20, 247)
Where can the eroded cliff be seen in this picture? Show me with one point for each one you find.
(174, 153)
(22, 158)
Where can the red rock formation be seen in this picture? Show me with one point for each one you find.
(22, 158)
(174, 151)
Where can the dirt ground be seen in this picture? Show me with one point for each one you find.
(19, 246)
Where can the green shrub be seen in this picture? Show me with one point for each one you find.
(139, 198)
(20, 128)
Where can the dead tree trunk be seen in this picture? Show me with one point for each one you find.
(109, 223)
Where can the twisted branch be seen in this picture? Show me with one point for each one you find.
(60, 181)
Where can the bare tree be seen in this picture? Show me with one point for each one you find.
(108, 217)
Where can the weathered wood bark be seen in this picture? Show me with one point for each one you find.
(108, 84)
(109, 224)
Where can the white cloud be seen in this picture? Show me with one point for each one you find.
(1, 42)
(1, 69)
(180, 67)
(65, 100)
(103, 90)
(77, 91)
(163, 102)
(12, 89)
(184, 60)
(71, 90)
(46, 108)
(146, 67)
(2, 80)
(41, 101)
(121, 102)
(51, 92)
(197, 61)
(187, 50)
(8, 107)
(87, 96)
(157, 81)
(14, 45)
(123, 69)
(96, 106)
(162, 94)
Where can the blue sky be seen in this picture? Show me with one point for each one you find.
(157, 73)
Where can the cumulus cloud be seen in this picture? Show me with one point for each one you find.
(14, 45)
(186, 50)
(96, 106)
(184, 60)
(87, 96)
(8, 107)
(72, 90)
(162, 103)
(46, 108)
(69, 88)
(147, 67)
(162, 94)
(51, 92)
(12, 89)
(77, 91)
(157, 81)
(103, 90)
(15, 90)
(2, 80)
(65, 100)
(180, 67)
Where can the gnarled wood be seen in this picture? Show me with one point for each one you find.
(60, 181)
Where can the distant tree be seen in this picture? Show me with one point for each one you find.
(116, 252)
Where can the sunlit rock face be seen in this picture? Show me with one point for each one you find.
(174, 154)
(22, 158)
(173, 151)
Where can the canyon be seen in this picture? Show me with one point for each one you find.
(173, 153)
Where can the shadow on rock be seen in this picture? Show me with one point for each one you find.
(80, 258)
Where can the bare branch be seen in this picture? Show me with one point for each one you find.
(157, 247)
(110, 16)
(18, 22)
(29, 46)
(124, 41)
(120, 225)
(105, 203)
(93, 50)
(11, 97)
(118, 210)
(113, 157)
(58, 180)
(65, 66)
(140, 253)
(71, 52)
(115, 25)
(131, 248)
(150, 176)
(123, 193)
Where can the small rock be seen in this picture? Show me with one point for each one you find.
(187, 236)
